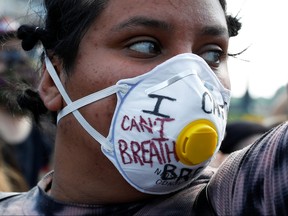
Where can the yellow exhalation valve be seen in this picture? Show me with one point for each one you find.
(197, 142)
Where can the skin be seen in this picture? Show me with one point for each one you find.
(117, 47)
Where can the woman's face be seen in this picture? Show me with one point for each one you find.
(132, 37)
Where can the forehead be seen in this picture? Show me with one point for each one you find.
(198, 12)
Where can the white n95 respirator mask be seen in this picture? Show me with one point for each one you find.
(167, 125)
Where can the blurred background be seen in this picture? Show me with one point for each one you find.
(259, 75)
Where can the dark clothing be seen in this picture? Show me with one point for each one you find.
(31, 155)
(37, 202)
(252, 181)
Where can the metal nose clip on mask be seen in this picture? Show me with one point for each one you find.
(167, 125)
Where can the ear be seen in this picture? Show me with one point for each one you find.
(48, 91)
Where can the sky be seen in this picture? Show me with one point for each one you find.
(263, 67)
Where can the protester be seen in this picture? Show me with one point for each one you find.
(147, 151)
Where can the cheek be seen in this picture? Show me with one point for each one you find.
(224, 77)
(85, 80)
(100, 114)
(88, 80)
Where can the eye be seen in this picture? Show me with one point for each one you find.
(145, 48)
(213, 57)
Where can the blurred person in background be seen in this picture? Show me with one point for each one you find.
(11, 178)
(30, 146)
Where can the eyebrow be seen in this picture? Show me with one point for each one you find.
(214, 31)
(162, 25)
(142, 21)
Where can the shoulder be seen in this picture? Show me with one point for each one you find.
(254, 180)
(19, 203)
(277, 134)
(11, 203)
(7, 195)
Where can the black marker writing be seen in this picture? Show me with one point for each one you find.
(159, 98)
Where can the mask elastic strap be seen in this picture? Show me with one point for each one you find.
(75, 105)
(95, 134)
